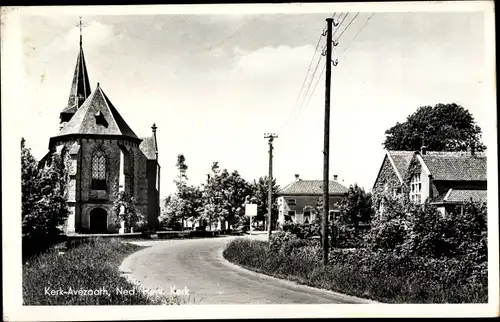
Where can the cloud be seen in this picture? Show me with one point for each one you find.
(95, 34)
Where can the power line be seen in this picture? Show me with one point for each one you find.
(347, 26)
(304, 81)
(359, 31)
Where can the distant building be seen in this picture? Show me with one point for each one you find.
(295, 200)
(105, 157)
(445, 179)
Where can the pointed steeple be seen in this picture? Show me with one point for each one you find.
(80, 86)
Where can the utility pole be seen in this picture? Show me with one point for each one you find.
(271, 137)
(326, 151)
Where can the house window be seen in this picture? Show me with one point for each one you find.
(332, 215)
(307, 217)
(396, 191)
(416, 189)
(291, 202)
(99, 170)
(291, 216)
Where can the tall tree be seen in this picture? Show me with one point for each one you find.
(185, 204)
(444, 127)
(43, 193)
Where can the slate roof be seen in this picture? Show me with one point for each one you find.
(401, 160)
(148, 147)
(461, 195)
(98, 116)
(312, 187)
(80, 86)
(456, 166)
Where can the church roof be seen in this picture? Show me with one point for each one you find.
(80, 86)
(97, 116)
(148, 147)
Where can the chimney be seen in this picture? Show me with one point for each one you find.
(335, 177)
(297, 178)
(472, 149)
(423, 150)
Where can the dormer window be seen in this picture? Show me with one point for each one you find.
(416, 189)
(291, 202)
(100, 119)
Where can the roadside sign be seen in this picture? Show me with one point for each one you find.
(251, 209)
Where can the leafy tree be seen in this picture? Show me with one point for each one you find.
(43, 188)
(186, 203)
(225, 195)
(444, 127)
(125, 210)
(260, 192)
(356, 207)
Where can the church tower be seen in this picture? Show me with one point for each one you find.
(104, 157)
(80, 86)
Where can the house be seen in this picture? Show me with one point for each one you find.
(295, 199)
(103, 156)
(390, 177)
(445, 179)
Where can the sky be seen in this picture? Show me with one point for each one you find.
(214, 84)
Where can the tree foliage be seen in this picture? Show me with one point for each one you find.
(225, 194)
(356, 207)
(444, 127)
(260, 192)
(43, 189)
(187, 201)
(125, 210)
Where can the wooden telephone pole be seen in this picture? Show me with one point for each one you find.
(271, 137)
(326, 151)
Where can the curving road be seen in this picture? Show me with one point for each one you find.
(198, 265)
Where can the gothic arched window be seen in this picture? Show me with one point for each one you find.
(99, 170)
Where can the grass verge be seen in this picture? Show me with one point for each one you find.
(375, 276)
(87, 274)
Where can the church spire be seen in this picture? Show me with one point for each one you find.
(80, 86)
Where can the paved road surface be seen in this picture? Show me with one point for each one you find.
(198, 265)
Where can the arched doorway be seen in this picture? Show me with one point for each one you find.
(98, 221)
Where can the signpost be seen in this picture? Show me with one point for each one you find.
(251, 211)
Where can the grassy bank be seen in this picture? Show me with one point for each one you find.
(86, 274)
(382, 277)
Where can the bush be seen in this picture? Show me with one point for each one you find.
(386, 276)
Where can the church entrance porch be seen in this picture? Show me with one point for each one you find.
(98, 221)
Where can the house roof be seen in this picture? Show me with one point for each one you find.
(401, 161)
(312, 187)
(148, 147)
(80, 86)
(98, 116)
(462, 195)
(456, 166)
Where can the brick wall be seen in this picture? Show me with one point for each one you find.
(83, 198)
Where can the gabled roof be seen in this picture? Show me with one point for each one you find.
(97, 116)
(312, 187)
(456, 166)
(462, 195)
(400, 161)
(80, 86)
(148, 147)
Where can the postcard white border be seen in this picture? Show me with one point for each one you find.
(11, 200)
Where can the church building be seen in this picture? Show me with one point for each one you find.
(104, 157)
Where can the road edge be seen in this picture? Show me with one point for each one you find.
(355, 299)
